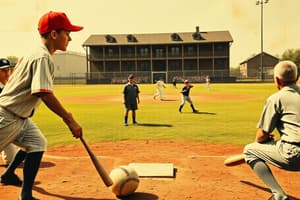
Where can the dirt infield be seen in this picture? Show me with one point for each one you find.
(67, 173)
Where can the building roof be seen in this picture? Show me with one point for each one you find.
(158, 38)
(253, 57)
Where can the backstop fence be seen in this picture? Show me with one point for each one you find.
(152, 77)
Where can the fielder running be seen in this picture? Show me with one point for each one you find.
(159, 89)
(186, 96)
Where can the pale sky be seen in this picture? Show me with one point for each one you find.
(19, 19)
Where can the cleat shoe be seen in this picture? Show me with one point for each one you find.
(273, 198)
(125, 124)
(135, 123)
(10, 179)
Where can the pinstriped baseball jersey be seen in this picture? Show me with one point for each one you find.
(32, 75)
(282, 111)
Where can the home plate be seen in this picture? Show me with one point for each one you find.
(154, 169)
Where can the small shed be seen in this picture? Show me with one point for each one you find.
(252, 68)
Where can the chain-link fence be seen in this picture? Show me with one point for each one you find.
(220, 76)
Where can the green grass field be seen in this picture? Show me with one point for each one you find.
(221, 120)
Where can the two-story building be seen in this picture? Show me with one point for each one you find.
(184, 55)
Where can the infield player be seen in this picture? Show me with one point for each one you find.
(30, 84)
(281, 112)
(8, 152)
(207, 82)
(159, 89)
(131, 99)
(186, 96)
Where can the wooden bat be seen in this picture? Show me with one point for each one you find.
(234, 160)
(100, 169)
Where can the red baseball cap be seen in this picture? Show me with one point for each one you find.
(56, 21)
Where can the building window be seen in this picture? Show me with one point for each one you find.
(190, 51)
(112, 66)
(205, 50)
(175, 65)
(220, 64)
(96, 53)
(143, 66)
(127, 52)
(159, 65)
(190, 64)
(220, 49)
(205, 64)
(143, 52)
(128, 66)
(112, 52)
(159, 52)
(174, 51)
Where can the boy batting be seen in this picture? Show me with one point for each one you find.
(30, 84)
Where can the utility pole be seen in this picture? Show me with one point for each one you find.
(261, 3)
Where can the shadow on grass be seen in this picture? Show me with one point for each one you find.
(169, 100)
(155, 125)
(264, 188)
(44, 192)
(200, 113)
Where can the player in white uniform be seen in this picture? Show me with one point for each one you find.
(30, 84)
(9, 151)
(159, 89)
(281, 112)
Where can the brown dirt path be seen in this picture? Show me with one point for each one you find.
(67, 173)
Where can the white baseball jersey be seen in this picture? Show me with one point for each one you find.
(160, 84)
(32, 75)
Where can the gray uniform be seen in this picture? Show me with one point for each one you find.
(18, 100)
(281, 111)
(9, 151)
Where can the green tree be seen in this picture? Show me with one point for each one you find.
(293, 55)
(235, 72)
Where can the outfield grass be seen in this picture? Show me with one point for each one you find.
(230, 121)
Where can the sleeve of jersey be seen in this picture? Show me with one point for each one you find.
(270, 116)
(42, 76)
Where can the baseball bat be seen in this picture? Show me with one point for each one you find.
(100, 169)
(234, 160)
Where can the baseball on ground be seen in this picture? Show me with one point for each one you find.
(125, 181)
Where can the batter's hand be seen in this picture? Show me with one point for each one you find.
(74, 127)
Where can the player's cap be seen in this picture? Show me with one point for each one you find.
(186, 81)
(56, 21)
(130, 76)
(4, 63)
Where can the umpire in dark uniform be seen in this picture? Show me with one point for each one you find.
(131, 99)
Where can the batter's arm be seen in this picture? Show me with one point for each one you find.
(55, 106)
